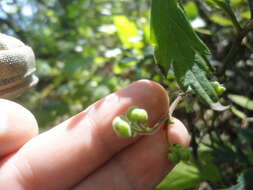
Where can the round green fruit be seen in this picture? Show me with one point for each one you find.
(136, 114)
(121, 127)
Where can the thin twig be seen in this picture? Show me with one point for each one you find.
(176, 102)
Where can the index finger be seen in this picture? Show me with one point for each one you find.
(69, 152)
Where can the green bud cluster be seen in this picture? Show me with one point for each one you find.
(179, 153)
(135, 122)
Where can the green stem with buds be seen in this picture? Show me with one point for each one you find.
(135, 121)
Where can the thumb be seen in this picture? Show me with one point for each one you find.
(17, 126)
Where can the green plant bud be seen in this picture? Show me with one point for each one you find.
(137, 114)
(174, 157)
(184, 154)
(219, 88)
(179, 153)
(121, 127)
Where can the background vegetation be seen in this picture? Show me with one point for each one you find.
(79, 43)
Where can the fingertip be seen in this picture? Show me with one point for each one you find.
(158, 87)
(178, 133)
(149, 95)
(17, 126)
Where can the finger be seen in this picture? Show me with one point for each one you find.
(139, 167)
(17, 126)
(66, 154)
(178, 133)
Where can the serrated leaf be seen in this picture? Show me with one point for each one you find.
(242, 101)
(177, 45)
(168, 17)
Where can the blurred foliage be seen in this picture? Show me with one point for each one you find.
(87, 49)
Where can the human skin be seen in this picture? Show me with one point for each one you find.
(83, 153)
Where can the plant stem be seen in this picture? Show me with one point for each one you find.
(175, 103)
(166, 117)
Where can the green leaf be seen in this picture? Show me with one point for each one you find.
(167, 18)
(183, 176)
(243, 101)
(221, 20)
(187, 174)
(177, 45)
(238, 113)
(245, 14)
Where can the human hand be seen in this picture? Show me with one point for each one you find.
(83, 152)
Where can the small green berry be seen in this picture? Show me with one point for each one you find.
(121, 127)
(219, 88)
(136, 114)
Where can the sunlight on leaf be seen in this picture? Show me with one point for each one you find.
(221, 20)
